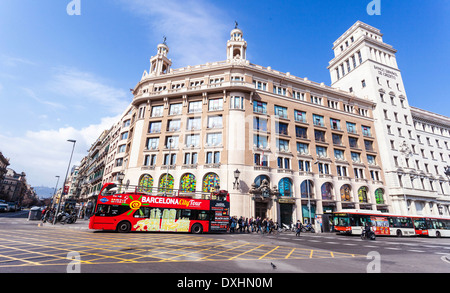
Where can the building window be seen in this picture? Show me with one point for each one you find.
(285, 187)
(124, 135)
(323, 168)
(362, 194)
(302, 148)
(152, 143)
(356, 157)
(260, 85)
(211, 182)
(157, 111)
(194, 123)
(260, 141)
(300, 116)
(337, 139)
(279, 90)
(174, 143)
(379, 196)
(353, 142)
(281, 112)
(259, 123)
(212, 157)
(155, 127)
(327, 191)
(301, 132)
(319, 135)
(351, 127)
(188, 183)
(215, 105)
(363, 83)
(166, 183)
(341, 171)
(214, 139)
(175, 109)
(321, 152)
(260, 107)
(366, 131)
(121, 148)
(215, 122)
(261, 160)
(298, 95)
(318, 120)
(339, 154)
(304, 165)
(346, 192)
(193, 140)
(237, 103)
(282, 128)
(282, 145)
(369, 145)
(170, 159)
(195, 107)
(335, 124)
(174, 125)
(316, 100)
(371, 160)
(283, 163)
(145, 183)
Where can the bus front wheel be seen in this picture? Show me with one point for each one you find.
(197, 228)
(124, 227)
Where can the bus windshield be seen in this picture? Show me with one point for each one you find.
(341, 220)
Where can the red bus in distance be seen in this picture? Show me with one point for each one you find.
(153, 209)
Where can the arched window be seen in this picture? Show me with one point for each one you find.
(307, 189)
(166, 183)
(345, 192)
(285, 187)
(327, 191)
(362, 194)
(379, 196)
(260, 178)
(145, 183)
(211, 182)
(187, 183)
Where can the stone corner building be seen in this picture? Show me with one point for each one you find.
(303, 149)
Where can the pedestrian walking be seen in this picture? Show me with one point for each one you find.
(298, 228)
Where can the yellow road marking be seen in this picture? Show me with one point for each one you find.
(269, 252)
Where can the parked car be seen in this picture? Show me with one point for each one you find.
(3, 207)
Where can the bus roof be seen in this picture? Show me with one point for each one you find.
(379, 213)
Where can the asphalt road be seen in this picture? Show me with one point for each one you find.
(29, 246)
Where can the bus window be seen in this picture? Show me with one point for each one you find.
(104, 210)
(203, 215)
(185, 214)
(360, 220)
(143, 212)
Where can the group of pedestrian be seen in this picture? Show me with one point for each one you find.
(251, 225)
(258, 225)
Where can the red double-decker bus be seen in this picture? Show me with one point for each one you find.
(144, 209)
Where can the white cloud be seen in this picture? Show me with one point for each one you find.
(34, 96)
(85, 87)
(44, 154)
(195, 29)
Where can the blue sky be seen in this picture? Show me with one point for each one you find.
(68, 77)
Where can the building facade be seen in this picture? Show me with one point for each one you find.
(414, 156)
(314, 146)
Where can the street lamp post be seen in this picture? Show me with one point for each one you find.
(236, 179)
(67, 174)
(168, 165)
